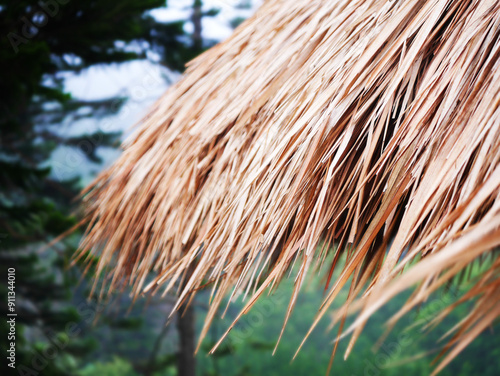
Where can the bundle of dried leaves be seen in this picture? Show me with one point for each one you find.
(358, 130)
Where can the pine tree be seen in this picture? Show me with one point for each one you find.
(39, 40)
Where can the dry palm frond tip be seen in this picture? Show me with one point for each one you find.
(355, 136)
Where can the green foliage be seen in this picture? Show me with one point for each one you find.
(116, 367)
(407, 350)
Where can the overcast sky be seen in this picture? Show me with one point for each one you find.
(141, 81)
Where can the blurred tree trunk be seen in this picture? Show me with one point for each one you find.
(186, 361)
(196, 17)
(185, 326)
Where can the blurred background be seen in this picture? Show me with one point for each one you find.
(75, 76)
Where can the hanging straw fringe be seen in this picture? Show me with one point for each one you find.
(371, 125)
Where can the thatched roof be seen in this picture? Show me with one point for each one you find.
(364, 130)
